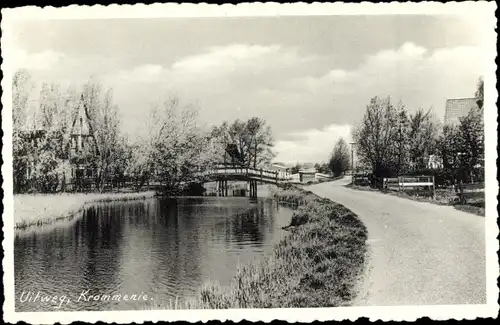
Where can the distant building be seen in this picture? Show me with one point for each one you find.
(284, 172)
(433, 162)
(306, 176)
(459, 107)
(279, 167)
(307, 173)
(82, 145)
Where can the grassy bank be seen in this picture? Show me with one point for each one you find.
(443, 197)
(316, 265)
(43, 209)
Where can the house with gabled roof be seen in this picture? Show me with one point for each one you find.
(78, 148)
(457, 108)
(82, 148)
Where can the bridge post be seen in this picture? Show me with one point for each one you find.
(250, 189)
(220, 187)
(253, 189)
(225, 187)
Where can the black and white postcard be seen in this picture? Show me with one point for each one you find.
(258, 161)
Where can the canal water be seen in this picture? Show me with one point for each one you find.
(159, 250)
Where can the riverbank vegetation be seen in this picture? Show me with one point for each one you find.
(316, 265)
(71, 140)
(39, 210)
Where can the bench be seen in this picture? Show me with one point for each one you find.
(362, 180)
(468, 193)
(402, 183)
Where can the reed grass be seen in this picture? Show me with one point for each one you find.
(42, 209)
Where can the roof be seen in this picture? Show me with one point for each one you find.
(307, 171)
(308, 166)
(457, 108)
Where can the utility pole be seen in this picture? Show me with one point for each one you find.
(352, 161)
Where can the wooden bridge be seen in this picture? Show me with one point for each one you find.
(224, 173)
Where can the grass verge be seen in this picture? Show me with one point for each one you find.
(317, 265)
(42, 209)
(443, 197)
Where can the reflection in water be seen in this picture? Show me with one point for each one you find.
(163, 248)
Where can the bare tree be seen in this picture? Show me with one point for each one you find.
(247, 143)
(235, 141)
(103, 123)
(422, 137)
(375, 136)
(176, 150)
(261, 141)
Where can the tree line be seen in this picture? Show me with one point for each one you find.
(390, 141)
(175, 150)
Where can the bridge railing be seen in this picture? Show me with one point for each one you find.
(248, 171)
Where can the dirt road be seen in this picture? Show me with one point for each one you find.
(420, 253)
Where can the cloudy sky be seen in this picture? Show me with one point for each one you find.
(309, 77)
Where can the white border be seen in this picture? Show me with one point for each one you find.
(398, 313)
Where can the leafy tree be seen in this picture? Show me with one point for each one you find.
(480, 92)
(295, 169)
(47, 162)
(461, 149)
(21, 145)
(322, 168)
(447, 148)
(471, 145)
(401, 141)
(339, 160)
(22, 87)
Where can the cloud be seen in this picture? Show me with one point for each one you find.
(142, 73)
(411, 73)
(44, 60)
(313, 145)
(224, 58)
(290, 89)
(293, 91)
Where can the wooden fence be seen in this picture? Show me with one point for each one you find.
(407, 183)
(471, 193)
